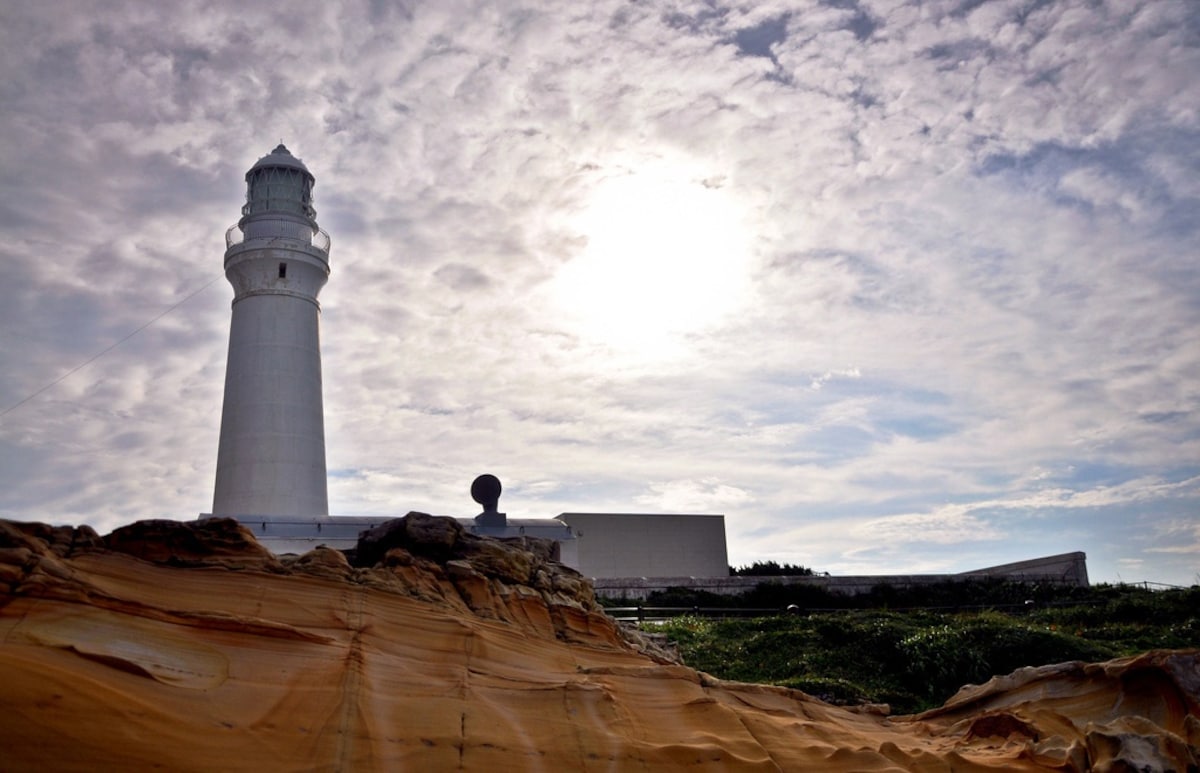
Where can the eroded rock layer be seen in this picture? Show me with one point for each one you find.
(188, 646)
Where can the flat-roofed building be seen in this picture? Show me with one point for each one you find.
(299, 534)
(649, 545)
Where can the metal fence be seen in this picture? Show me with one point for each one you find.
(647, 614)
(644, 614)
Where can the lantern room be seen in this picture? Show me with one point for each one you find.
(280, 184)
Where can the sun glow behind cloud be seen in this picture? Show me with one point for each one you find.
(666, 254)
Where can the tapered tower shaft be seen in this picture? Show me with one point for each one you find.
(271, 458)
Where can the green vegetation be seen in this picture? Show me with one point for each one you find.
(770, 569)
(773, 594)
(917, 659)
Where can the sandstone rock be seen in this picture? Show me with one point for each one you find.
(323, 562)
(573, 585)
(542, 580)
(374, 543)
(421, 534)
(543, 550)
(15, 564)
(507, 561)
(432, 535)
(211, 542)
(1133, 743)
(472, 587)
(111, 663)
(1001, 724)
(13, 536)
(655, 646)
(479, 569)
(61, 540)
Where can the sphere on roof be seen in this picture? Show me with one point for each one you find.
(486, 491)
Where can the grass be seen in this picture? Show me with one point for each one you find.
(916, 659)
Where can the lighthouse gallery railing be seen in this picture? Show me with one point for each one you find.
(288, 229)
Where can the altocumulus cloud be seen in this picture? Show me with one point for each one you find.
(945, 253)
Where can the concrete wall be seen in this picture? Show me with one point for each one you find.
(1070, 567)
(631, 544)
(1066, 569)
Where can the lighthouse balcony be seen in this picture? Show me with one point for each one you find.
(278, 229)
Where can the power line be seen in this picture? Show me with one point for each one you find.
(97, 356)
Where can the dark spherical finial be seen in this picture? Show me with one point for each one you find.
(486, 491)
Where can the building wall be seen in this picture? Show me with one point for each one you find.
(643, 545)
(1068, 567)
(1063, 569)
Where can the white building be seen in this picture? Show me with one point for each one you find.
(599, 545)
(648, 545)
(271, 458)
(282, 534)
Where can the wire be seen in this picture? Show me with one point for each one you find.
(97, 356)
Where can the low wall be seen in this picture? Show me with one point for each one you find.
(642, 587)
(1063, 569)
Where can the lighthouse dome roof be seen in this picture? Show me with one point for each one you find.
(279, 157)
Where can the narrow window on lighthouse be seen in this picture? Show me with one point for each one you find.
(283, 271)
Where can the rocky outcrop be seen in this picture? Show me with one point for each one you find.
(211, 542)
(1153, 723)
(185, 646)
(513, 580)
(425, 557)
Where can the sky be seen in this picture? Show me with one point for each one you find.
(896, 286)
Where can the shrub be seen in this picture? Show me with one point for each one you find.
(917, 659)
(770, 568)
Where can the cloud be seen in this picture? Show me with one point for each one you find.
(461, 277)
(1183, 537)
(704, 495)
(982, 520)
(952, 524)
(967, 298)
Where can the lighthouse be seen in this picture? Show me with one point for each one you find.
(271, 457)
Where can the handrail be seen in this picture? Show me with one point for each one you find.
(642, 613)
(288, 229)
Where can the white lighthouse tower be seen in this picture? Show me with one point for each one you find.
(271, 459)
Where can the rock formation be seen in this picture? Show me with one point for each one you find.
(188, 646)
